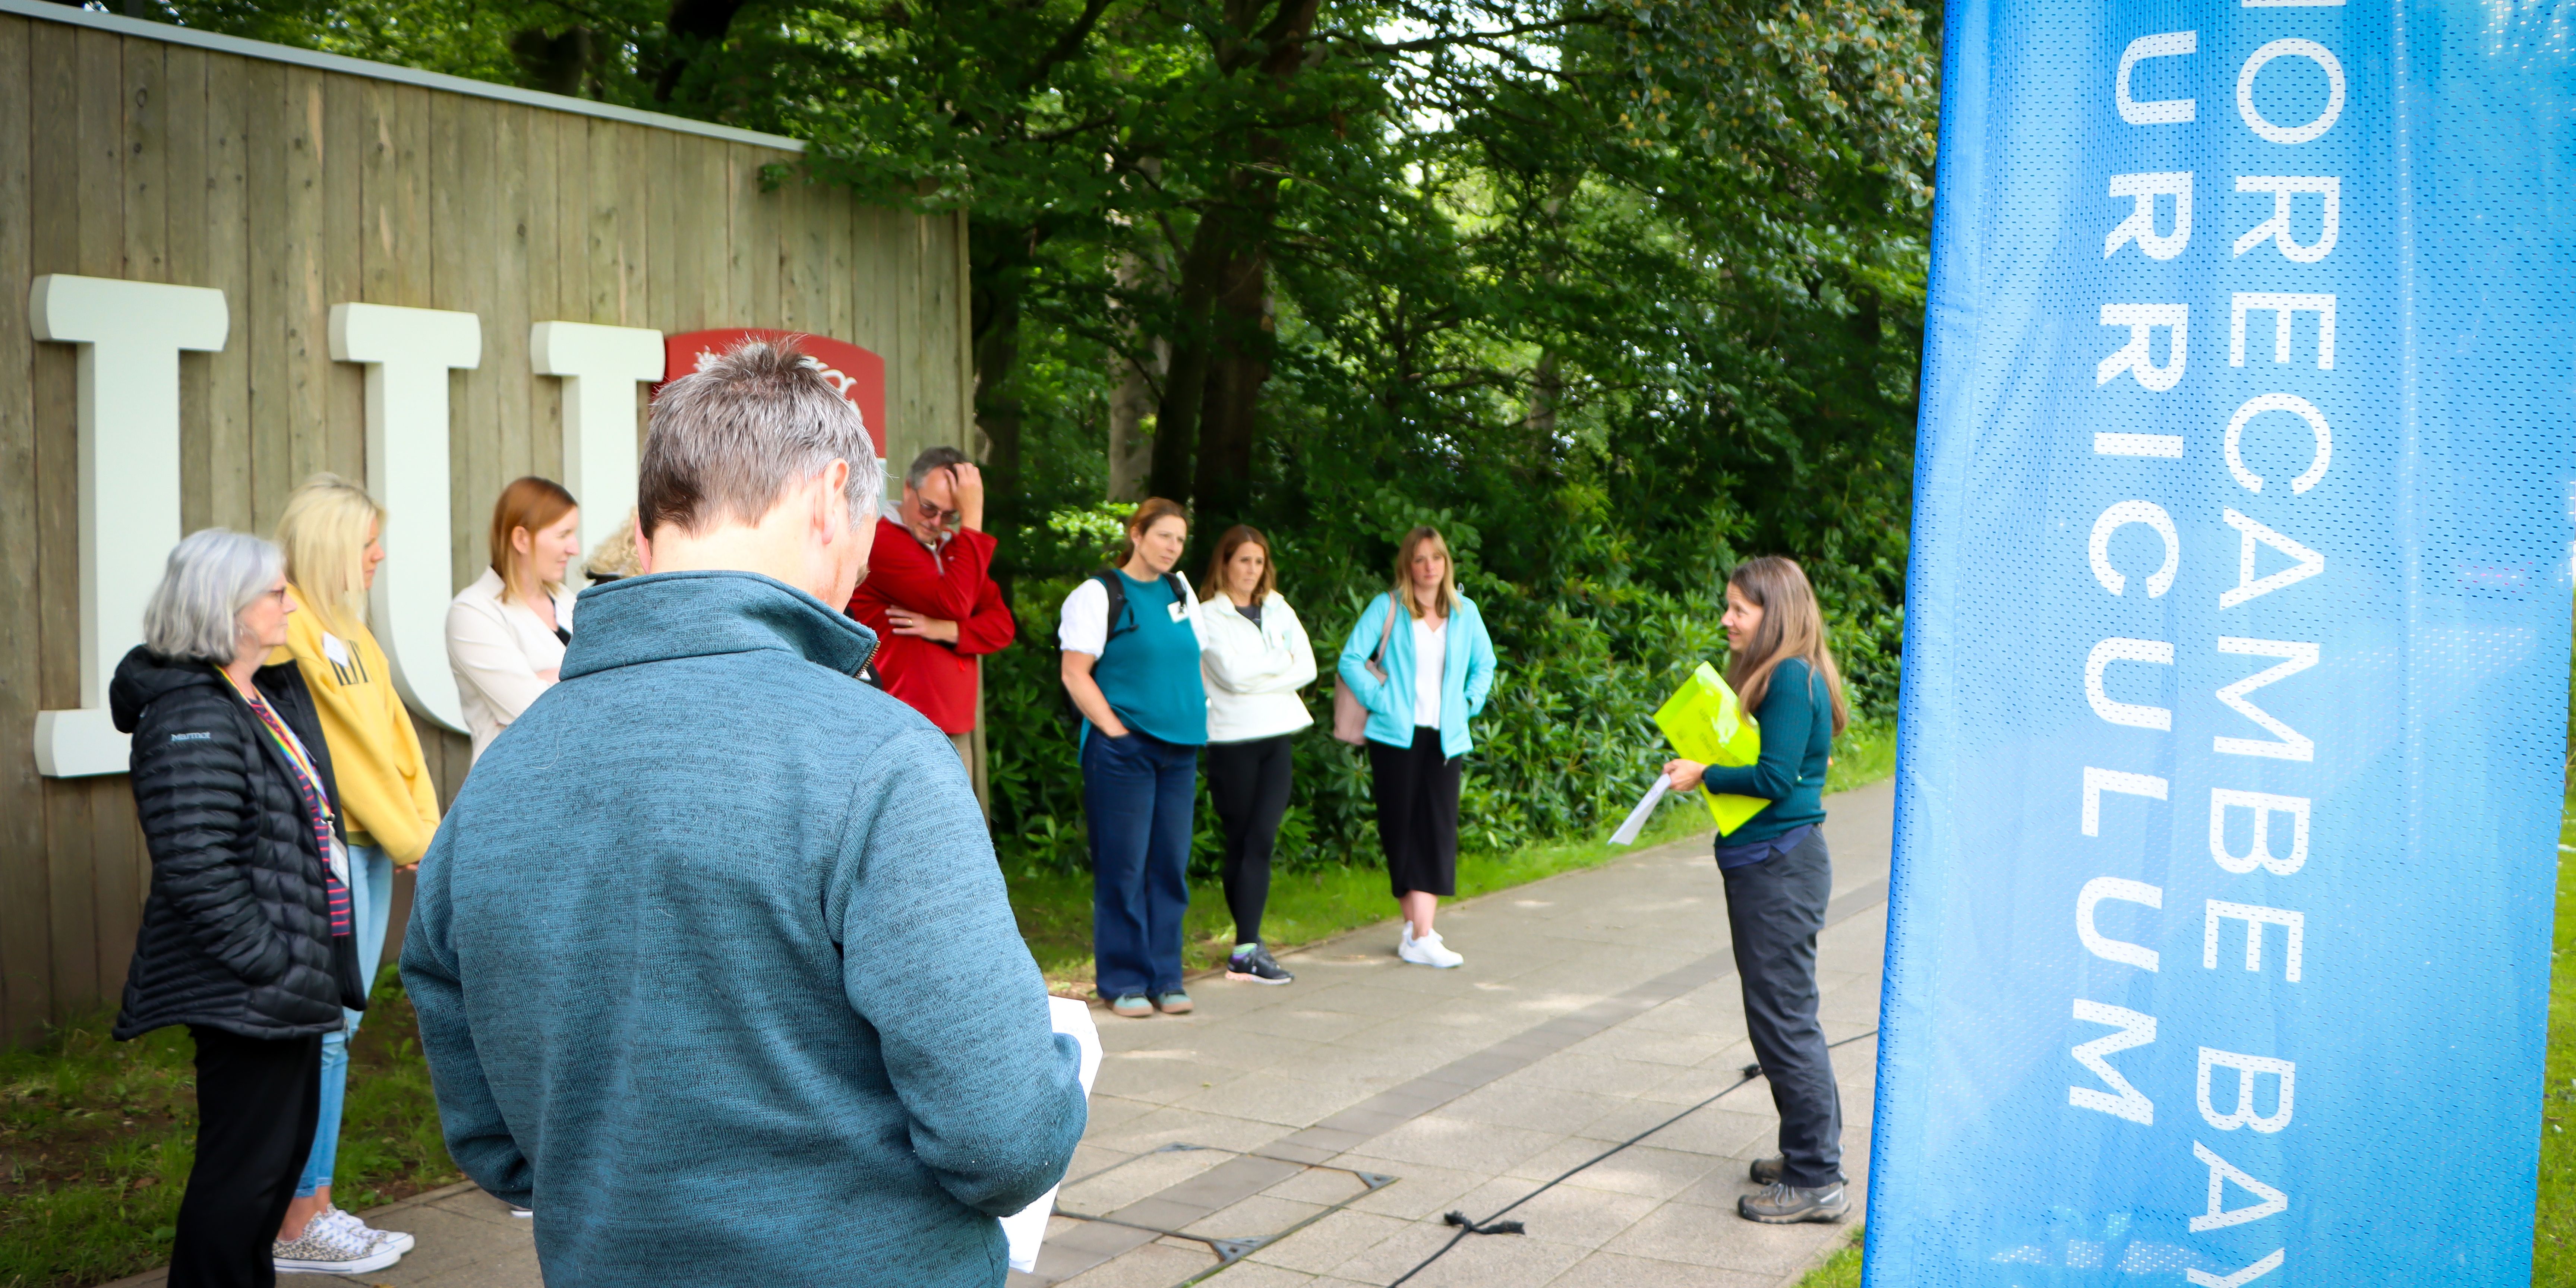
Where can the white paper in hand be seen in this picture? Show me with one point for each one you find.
(1026, 1228)
(1627, 833)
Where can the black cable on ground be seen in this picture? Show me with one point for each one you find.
(1491, 1226)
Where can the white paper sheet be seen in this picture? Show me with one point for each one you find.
(1627, 833)
(1026, 1228)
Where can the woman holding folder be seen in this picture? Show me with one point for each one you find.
(1779, 877)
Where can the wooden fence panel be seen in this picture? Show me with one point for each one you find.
(290, 186)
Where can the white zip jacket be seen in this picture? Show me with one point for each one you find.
(1253, 672)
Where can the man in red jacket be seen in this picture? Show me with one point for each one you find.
(930, 597)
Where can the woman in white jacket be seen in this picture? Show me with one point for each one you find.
(1255, 658)
(506, 633)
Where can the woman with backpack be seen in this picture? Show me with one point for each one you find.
(1131, 637)
(1257, 658)
(1778, 875)
(1420, 665)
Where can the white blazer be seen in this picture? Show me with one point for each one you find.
(496, 646)
(1253, 672)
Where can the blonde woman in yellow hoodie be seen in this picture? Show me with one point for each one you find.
(331, 533)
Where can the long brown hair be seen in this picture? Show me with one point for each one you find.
(1236, 538)
(1403, 591)
(532, 503)
(1792, 626)
(1150, 511)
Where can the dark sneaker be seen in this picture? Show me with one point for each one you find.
(1175, 1002)
(1780, 1203)
(1766, 1171)
(1133, 1006)
(1251, 964)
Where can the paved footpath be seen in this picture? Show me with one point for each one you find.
(1317, 1133)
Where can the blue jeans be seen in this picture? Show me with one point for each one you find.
(1139, 793)
(371, 897)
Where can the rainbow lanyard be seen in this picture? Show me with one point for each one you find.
(317, 807)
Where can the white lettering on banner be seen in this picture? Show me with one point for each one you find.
(2101, 945)
(2166, 446)
(2098, 781)
(2142, 321)
(2121, 515)
(2255, 917)
(2248, 1068)
(2122, 1100)
(2259, 853)
(2133, 715)
(2220, 1216)
(600, 366)
(2298, 657)
(2163, 111)
(2296, 406)
(2313, 52)
(2204, 1279)
(2327, 187)
(2141, 223)
(2281, 307)
(126, 396)
(408, 353)
(2309, 564)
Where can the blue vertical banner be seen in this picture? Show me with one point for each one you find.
(2236, 648)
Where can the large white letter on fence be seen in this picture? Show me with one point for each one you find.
(600, 366)
(130, 335)
(408, 353)
(2122, 1100)
(2248, 1068)
(2101, 945)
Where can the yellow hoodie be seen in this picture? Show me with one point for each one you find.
(386, 796)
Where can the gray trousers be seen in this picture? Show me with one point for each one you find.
(1774, 909)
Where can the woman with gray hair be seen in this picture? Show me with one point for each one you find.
(246, 933)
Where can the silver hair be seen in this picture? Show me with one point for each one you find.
(728, 439)
(939, 457)
(195, 613)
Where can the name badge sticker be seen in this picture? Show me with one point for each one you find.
(1178, 611)
(334, 649)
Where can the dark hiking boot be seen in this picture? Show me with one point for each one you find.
(1780, 1203)
(1766, 1171)
(1251, 964)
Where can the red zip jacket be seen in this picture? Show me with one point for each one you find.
(955, 584)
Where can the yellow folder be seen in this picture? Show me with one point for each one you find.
(1706, 722)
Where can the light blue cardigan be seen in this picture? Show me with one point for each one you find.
(1466, 675)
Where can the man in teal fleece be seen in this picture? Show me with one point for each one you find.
(713, 964)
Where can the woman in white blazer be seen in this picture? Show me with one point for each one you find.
(506, 633)
(1254, 657)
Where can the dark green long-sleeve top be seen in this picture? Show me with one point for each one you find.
(1797, 722)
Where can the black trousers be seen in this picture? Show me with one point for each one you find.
(1248, 781)
(257, 1101)
(1774, 909)
(1417, 813)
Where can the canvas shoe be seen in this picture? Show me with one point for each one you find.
(1427, 950)
(326, 1248)
(1175, 1002)
(394, 1239)
(1133, 1006)
(1252, 964)
(1781, 1203)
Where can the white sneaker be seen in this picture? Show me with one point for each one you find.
(327, 1248)
(394, 1239)
(1427, 950)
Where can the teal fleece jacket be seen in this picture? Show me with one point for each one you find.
(1797, 723)
(715, 969)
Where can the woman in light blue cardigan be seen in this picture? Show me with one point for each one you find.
(1422, 675)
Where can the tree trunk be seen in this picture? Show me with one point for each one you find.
(998, 258)
(1131, 404)
(1228, 421)
(1176, 421)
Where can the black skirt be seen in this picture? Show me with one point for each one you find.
(1417, 813)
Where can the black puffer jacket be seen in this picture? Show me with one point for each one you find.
(237, 931)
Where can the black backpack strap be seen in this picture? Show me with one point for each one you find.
(1111, 582)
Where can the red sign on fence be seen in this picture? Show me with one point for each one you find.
(857, 373)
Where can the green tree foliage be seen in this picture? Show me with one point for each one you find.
(1613, 291)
